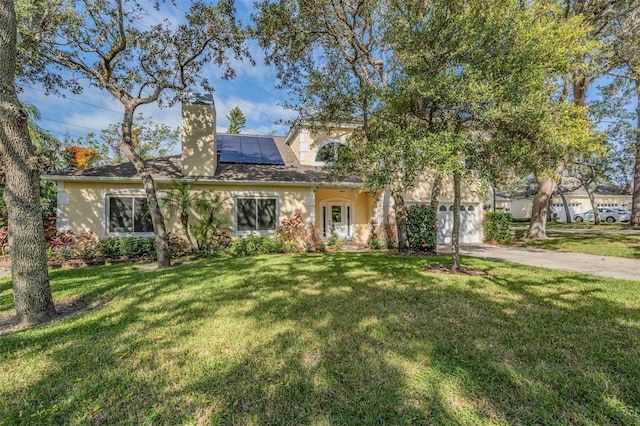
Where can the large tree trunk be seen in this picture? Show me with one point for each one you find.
(455, 233)
(635, 200)
(538, 225)
(401, 222)
(157, 218)
(565, 206)
(30, 278)
(592, 200)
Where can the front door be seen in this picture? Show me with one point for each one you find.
(337, 219)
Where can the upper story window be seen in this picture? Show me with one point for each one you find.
(329, 152)
(128, 214)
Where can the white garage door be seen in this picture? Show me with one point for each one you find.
(558, 208)
(469, 224)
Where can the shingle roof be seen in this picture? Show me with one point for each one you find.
(171, 168)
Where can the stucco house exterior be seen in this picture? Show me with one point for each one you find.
(577, 200)
(262, 180)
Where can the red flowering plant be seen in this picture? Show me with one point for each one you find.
(293, 230)
(422, 227)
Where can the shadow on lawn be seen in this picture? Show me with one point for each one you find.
(627, 245)
(336, 338)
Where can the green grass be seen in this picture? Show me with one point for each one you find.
(335, 338)
(604, 244)
(590, 225)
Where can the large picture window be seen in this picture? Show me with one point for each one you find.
(256, 214)
(128, 214)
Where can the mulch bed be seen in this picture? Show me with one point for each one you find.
(442, 269)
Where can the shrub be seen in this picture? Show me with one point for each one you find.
(333, 242)
(274, 244)
(110, 248)
(60, 246)
(129, 247)
(422, 228)
(292, 229)
(497, 226)
(87, 246)
(390, 240)
(373, 242)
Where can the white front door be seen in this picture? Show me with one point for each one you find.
(337, 219)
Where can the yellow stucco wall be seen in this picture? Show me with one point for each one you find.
(471, 191)
(86, 212)
(305, 143)
(362, 204)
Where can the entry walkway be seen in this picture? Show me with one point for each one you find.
(604, 266)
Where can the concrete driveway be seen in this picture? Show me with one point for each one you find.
(604, 266)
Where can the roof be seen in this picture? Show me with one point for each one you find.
(168, 168)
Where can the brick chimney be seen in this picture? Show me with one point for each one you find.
(198, 135)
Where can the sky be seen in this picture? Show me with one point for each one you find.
(252, 90)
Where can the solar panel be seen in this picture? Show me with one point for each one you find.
(248, 150)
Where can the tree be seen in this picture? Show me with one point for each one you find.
(626, 32)
(30, 279)
(332, 57)
(181, 200)
(436, 84)
(237, 120)
(46, 144)
(477, 82)
(594, 61)
(590, 169)
(79, 158)
(107, 44)
(149, 139)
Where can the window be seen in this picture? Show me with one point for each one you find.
(442, 209)
(256, 214)
(329, 152)
(128, 214)
(336, 214)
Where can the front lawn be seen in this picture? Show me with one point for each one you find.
(604, 226)
(334, 338)
(600, 243)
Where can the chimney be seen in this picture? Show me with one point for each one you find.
(198, 135)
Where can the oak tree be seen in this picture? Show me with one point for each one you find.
(30, 279)
(118, 47)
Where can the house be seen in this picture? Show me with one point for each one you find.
(262, 180)
(575, 195)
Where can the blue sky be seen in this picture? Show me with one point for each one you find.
(253, 91)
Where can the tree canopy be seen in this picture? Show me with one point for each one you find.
(115, 45)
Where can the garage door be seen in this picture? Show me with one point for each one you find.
(469, 224)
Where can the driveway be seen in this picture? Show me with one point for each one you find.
(604, 266)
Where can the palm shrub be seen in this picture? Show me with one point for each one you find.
(180, 200)
(497, 227)
(209, 232)
(422, 228)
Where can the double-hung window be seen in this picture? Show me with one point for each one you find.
(128, 214)
(255, 214)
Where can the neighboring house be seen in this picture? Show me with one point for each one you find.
(262, 180)
(577, 200)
